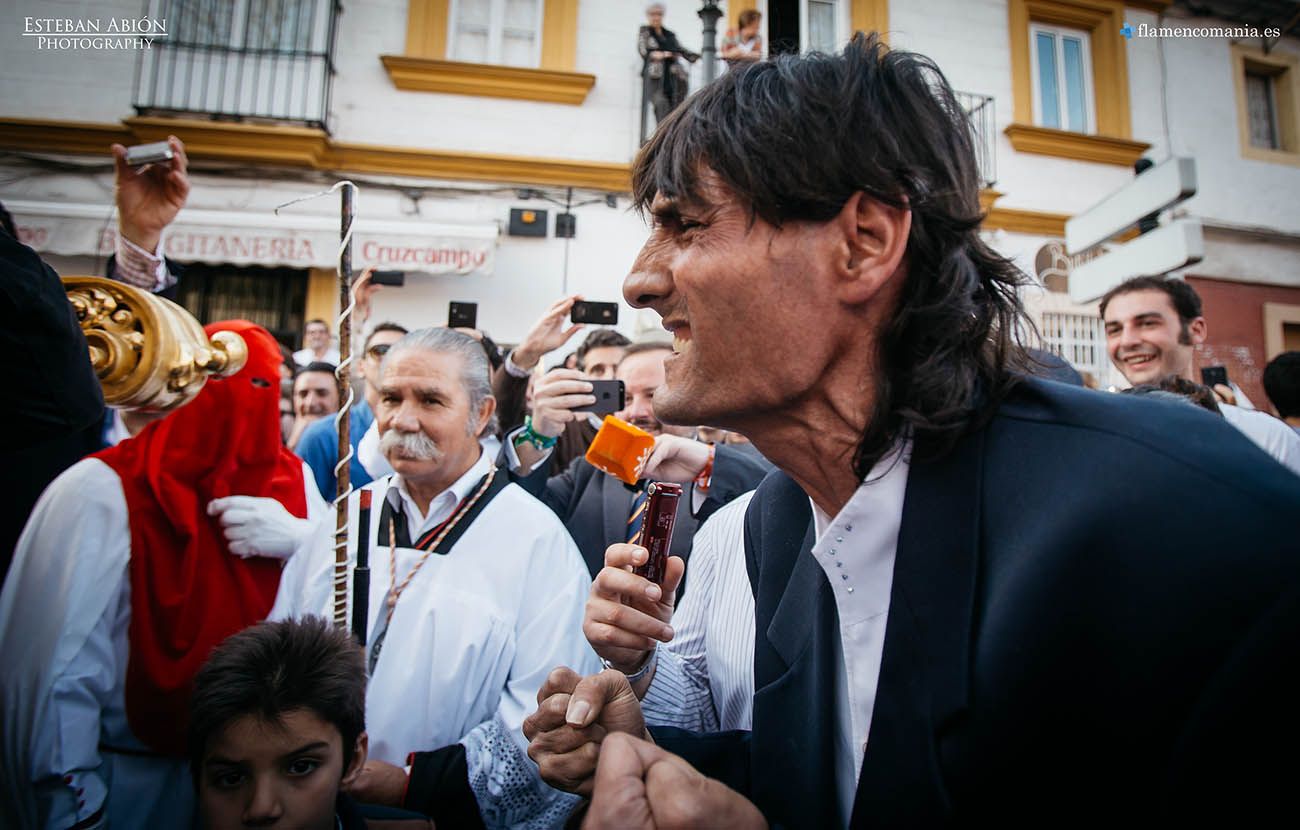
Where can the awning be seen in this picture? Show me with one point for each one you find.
(296, 241)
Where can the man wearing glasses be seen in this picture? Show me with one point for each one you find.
(319, 445)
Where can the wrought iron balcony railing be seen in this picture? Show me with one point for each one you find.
(980, 109)
(241, 59)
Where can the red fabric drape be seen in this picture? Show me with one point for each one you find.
(188, 593)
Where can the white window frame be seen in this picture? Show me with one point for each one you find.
(1058, 34)
(495, 31)
(1276, 124)
(841, 25)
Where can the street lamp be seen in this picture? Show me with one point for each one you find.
(709, 13)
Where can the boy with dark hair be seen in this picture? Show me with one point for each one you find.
(277, 728)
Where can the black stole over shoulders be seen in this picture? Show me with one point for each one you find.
(401, 533)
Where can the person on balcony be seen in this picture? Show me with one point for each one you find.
(662, 71)
(743, 45)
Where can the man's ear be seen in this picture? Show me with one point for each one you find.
(485, 411)
(875, 236)
(1197, 331)
(359, 753)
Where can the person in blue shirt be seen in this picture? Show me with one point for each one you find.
(319, 445)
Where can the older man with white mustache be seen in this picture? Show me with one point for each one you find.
(476, 592)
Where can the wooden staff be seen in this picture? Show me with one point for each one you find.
(342, 471)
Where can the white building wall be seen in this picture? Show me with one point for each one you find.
(1203, 124)
(82, 86)
(968, 39)
(369, 109)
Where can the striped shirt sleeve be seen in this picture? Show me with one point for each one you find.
(704, 678)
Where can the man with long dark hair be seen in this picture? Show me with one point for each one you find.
(963, 612)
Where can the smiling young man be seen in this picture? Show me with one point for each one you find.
(979, 597)
(476, 591)
(1153, 326)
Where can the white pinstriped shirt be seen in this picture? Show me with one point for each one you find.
(704, 680)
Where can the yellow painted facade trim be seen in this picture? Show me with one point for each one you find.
(443, 164)
(1284, 71)
(1277, 318)
(322, 295)
(490, 80)
(1016, 220)
(38, 135)
(864, 16)
(1102, 20)
(426, 28)
(236, 141)
(428, 24)
(1026, 138)
(301, 147)
(312, 149)
(1155, 6)
(560, 35)
(870, 16)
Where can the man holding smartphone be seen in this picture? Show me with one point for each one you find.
(596, 508)
(148, 195)
(596, 358)
(1153, 326)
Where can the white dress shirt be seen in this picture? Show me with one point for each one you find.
(857, 549)
(306, 357)
(1269, 434)
(472, 638)
(65, 612)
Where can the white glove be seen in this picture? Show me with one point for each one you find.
(256, 526)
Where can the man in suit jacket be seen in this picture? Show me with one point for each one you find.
(596, 507)
(978, 596)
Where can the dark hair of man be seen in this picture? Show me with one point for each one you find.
(1184, 299)
(642, 348)
(1282, 383)
(1202, 396)
(747, 17)
(274, 668)
(599, 339)
(314, 321)
(384, 326)
(318, 366)
(492, 350)
(795, 137)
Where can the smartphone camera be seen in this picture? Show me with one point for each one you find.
(141, 154)
(600, 314)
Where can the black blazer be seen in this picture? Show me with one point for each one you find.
(1095, 614)
(595, 507)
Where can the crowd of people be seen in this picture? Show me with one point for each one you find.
(920, 575)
